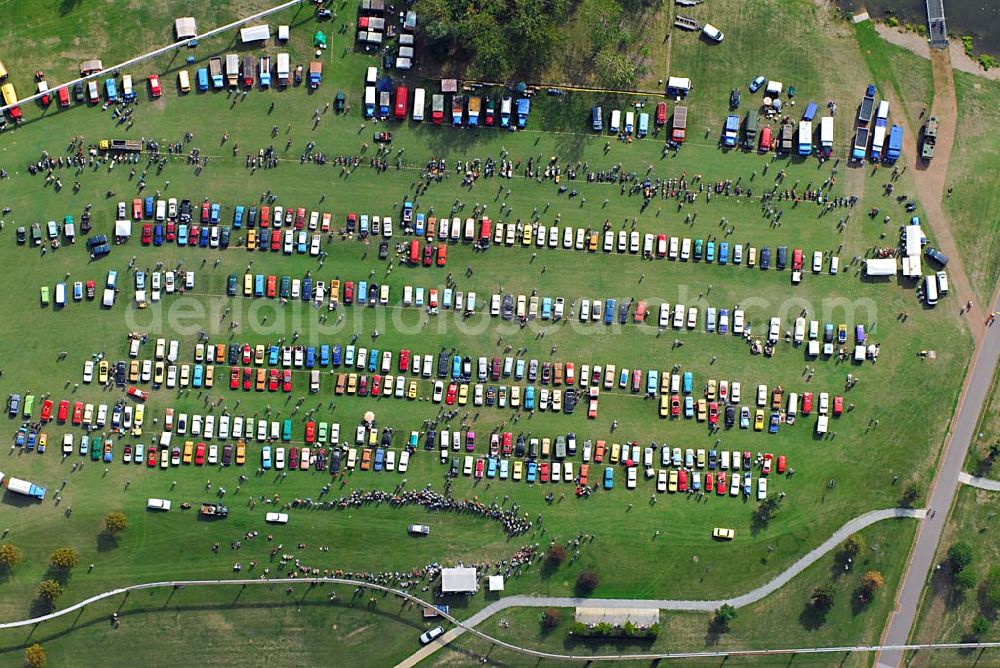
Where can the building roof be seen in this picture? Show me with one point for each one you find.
(643, 617)
(90, 66)
(185, 27)
(459, 580)
(255, 33)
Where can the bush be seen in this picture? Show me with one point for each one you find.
(967, 45)
(723, 616)
(853, 545)
(556, 555)
(910, 496)
(871, 582)
(34, 656)
(64, 558)
(10, 556)
(551, 618)
(960, 555)
(993, 586)
(49, 590)
(823, 597)
(115, 522)
(964, 580)
(587, 582)
(980, 625)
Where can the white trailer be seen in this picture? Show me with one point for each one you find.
(419, 104)
(283, 69)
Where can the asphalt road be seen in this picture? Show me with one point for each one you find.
(971, 402)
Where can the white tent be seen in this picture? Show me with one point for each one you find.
(185, 27)
(283, 33)
(914, 239)
(880, 266)
(459, 581)
(123, 228)
(773, 88)
(255, 33)
(678, 86)
(496, 583)
(859, 353)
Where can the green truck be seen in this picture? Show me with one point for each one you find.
(930, 138)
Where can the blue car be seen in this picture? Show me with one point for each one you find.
(324, 355)
(238, 216)
(456, 367)
(265, 240)
(337, 354)
(547, 308)
(713, 458)
(757, 83)
(609, 311)
(310, 357)
(519, 369)
(373, 360)
(689, 406)
(265, 457)
(362, 292)
(723, 321)
(710, 251)
(158, 234)
(379, 458)
(307, 289)
(419, 226)
(272, 355)
(773, 426)
(147, 207)
(652, 381)
(529, 398)
(198, 376)
(609, 477)
(214, 215)
(203, 238)
(688, 382)
(182, 235)
(258, 287)
(723, 252)
(491, 470)
(532, 472)
(302, 246)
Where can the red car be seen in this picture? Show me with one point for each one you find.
(193, 233)
(508, 440)
(154, 85)
(310, 432)
(272, 286)
(151, 458)
(287, 384)
(247, 379)
(713, 413)
(300, 218)
(293, 457)
(442, 255)
(682, 480)
(265, 216)
(768, 461)
(247, 353)
(709, 482)
(63, 411)
(807, 403)
(147, 234)
(428, 256)
(78, 413)
(661, 113)
(675, 405)
(136, 209)
(349, 292)
(171, 231)
(199, 454)
(797, 259)
(404, 359)
(205, 210)
(234, 378)
(363, 386)
(46, 410)
(720, 486)
(543, 471)
(275, 241)
(273, 381)
(838, 405)
(449, 398)
(138, 394)
(782, 462)
(63, 94)
(376, 385)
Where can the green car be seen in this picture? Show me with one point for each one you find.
(698, 244)
(324, 433)
(96, 448)
(29, 405)
(286, 287)
(286, 430)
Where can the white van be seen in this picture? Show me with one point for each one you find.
(276, 518)
(793, 404)
(942, 280)
(931, 289)
(161, 210)
(158, 504)
(60, 294)
(616, 121)
(419, 103)
(371, 75)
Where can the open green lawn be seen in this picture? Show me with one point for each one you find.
(860, 461)
(908, 74)
(947, 612)
(978, 235)
(783, 620)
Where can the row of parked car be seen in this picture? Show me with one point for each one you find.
(123, 416)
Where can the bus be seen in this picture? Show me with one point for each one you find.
(10, 98)
(184, 81)
(202, 79)
(402, 102)
(419, 96)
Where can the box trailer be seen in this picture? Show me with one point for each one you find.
(786, 137)
(860, 148)
(24, 487)
(867, 106)
(750, 126)
(215, 69)
(805, 137)
(679, 132)
(437, 108)
(283, 69)
(475, 105)
(315, 74)
(232, 70)
(369, 101)
(895, 144)
(419, 104)
(826, 135)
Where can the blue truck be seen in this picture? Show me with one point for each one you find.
(523, 109)
(731, 131)
(895, 144)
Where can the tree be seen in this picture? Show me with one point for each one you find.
(980, 625)
(49, 590)
(587, 582)
(871, 582)
(615, 70)
(551, 618)
(34, 656)
(910, 496)
(10, 556)
(723, 616)
(853, 545)
(766, 510)
(960, 556)
(64, 558)
(556, 555)
(823, 597)
(964, 580)
(115, 522)
(993, 586)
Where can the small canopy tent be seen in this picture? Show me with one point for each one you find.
(255, 34)
(319, 39)
(185, 27)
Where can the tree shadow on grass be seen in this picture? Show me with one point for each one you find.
(106, 541)
(67, 6)
(812, 618)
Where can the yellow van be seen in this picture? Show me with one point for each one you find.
(3, 71)
(184, 81)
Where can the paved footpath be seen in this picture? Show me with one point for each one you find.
(981, 483)
(841, 534)
(974, 394)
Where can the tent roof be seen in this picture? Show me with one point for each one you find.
(496, 583)
(185, 27)
(123, 228)
(255, 33)
(458, 580)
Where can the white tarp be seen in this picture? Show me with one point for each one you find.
(185, 27)
(914, 237)
(123, 228)
(881, 266)
(496, 583)
(458, 580)
(679, 83)
(255, 33)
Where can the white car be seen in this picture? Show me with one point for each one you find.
(686, 249)
(438, 392)
(762, 395)
(664, 319)
(817, 262)
(761, 488)
(679, 316)
(824, 403)
(738, 322)
(568, 237)
(774, 330)
(734, 392)
(712, 33)
(692, 317)
(88, 371)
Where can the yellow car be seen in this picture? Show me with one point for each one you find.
(352, 383)
(251, 239)
(209, 375)
(616, 451)
(247, 285)
(411, 391)
(133, 371)
(158, 370)
(102, 372)
(710, 394)
(43, 440)
(593, 242)
(463, 394)
(241, 453)
(702, 410)
(758, 420)
(518, 469)
(664, 405)
(188, 452)
(528, 237)
(258, 354)
(515, 396)
(672, 483)
(723, 534)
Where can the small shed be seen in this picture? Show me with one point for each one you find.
(449, 85)
(283, 33)
(185, 27)
(459, 580)
(406, 52)
(255, 34)
(496, 583)
(91, 66)
(678, 86)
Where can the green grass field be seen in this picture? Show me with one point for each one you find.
(861, 461)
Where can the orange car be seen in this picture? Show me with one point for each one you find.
(341, 383)
(261, 379)
(366, 459)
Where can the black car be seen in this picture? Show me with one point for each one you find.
(431, 441)
(765, 257)
(936, 255)
(120, 377)
(185, 213)
(335, 461)
(507, 309)
(454, 467)
(570, 399)
(252, 217)
(386, 437)
(234, 354)
(224, 237)
(96, 240)
(444, 364)
(734, 99)
(730, 415)
(519, 447)
(78, 92)
(383, 250)
(623, 313)
(231, 285)
(782, 257)
(22, 235)
(373, 291)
